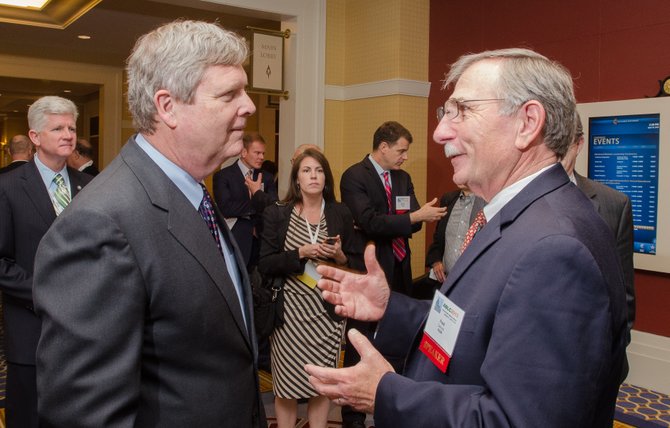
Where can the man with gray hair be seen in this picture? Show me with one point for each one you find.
(21, 150)
(529, 327)
(30, 199)
(159, 333)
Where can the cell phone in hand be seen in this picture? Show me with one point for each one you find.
(331, 240)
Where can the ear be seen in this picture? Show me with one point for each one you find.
(383, 146)
(34, 137)
(532, 116)
(165, 108)
(580, 144)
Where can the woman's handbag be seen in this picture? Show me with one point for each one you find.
(268, 295)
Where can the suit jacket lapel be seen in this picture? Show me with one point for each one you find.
(551, 179)
(76, 184)
(187, 226)
(34, 188)
(377, 180)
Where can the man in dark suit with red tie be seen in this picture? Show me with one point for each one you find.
(531, 320)
(30, 200)
(380, 196)
(242, 191)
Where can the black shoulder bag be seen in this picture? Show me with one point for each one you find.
(268, 295)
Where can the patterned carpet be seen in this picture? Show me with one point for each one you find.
(642, 408)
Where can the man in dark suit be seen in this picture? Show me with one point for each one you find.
(242, 190)
(615, 208)
(145, 303)
(82, 158)
(530, 326)
(21, 150)
(30, 199)
(388, 220)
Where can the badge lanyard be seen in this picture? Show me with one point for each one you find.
(313, 238)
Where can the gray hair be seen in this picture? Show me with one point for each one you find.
(40, 109)
(526, 75)
(174, 57)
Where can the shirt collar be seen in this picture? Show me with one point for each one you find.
(379, 169)
(182, 179)
(243, 167)
(48, 174)
(508, 193)
(86, 165)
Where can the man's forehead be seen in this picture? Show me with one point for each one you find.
(478, 81)
(401, 144)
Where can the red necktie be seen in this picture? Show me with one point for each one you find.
(398, 244)
(480, 221)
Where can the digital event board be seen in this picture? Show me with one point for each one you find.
(624, 154)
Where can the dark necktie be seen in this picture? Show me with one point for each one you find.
(206, 210)
(398, 244)
(476, 226)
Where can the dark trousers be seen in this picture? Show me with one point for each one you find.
(21, 400)
(401, 279)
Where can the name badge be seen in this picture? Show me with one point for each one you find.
(310, 276)
(401, 203)
(441, 331)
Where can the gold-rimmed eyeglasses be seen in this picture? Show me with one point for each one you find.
(453, 108)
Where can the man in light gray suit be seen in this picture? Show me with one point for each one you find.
(614, 207)
(144, 299)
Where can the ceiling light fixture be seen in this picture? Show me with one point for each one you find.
(50, 13)
(84, 37)
(31, 4)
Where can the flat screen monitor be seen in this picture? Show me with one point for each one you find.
(627, 149)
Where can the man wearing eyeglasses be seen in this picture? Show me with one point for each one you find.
(529, 328)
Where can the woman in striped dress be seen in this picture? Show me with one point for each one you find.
(308, 226)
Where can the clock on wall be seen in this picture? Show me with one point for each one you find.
(664, 90)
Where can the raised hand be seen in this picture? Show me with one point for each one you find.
(362, 297)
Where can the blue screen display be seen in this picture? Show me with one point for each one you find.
(623, 154)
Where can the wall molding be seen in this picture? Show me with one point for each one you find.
(649, 360)
(382, 88)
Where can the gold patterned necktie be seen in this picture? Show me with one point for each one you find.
(61, 195)
(476, 226)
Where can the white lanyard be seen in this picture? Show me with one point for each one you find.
(313, 238)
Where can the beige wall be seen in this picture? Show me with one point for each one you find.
(368, 42)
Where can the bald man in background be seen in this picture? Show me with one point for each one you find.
(82, 158)
(21, 150)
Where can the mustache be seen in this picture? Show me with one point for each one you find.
(450, 151)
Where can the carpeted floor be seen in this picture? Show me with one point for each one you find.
(642, 408)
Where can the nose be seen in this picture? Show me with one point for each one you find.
(444, 132)
(248, 108)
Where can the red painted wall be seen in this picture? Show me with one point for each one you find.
(615, 49)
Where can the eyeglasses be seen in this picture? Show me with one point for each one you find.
(453, 107)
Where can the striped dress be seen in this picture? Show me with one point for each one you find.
(308, 335)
